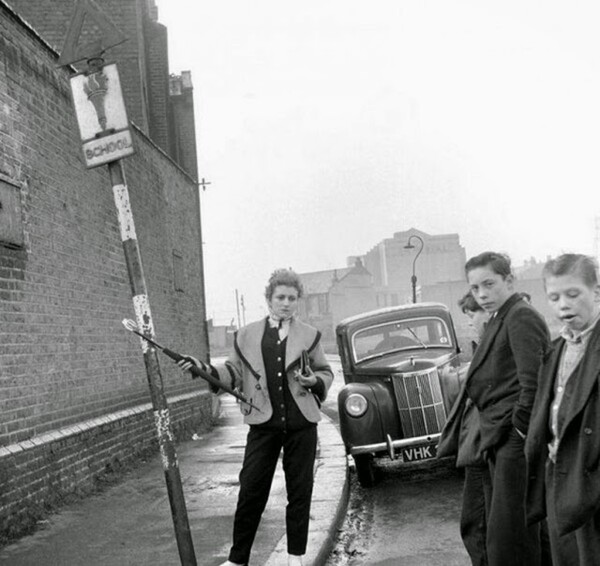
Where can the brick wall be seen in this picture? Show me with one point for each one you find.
(143, 68)
(38, 474)
(64, 355)
(183, 134)
(158, 84)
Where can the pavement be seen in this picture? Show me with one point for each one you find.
(130, 523)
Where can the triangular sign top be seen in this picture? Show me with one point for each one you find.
(110, 35)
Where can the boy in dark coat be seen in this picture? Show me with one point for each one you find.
(563, 444)
(502, 382)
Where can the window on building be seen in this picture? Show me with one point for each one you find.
(11, 226)
(312, 305)
(317, 303)
(324, 303)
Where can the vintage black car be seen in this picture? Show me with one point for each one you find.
(400, 367)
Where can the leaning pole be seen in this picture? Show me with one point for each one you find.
(106, 139)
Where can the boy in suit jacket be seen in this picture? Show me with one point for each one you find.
(563, 445)
(502, 382)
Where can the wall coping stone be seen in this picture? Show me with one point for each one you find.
(73, 430)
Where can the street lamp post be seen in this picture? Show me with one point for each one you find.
(413, 279)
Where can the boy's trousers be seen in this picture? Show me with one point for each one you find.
(473, 527)
(509, 541)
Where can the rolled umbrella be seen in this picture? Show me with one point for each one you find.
(195, 370)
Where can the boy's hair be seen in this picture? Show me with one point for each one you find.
(287, 277)
(469, 304)
(499, 263)
(584, 266)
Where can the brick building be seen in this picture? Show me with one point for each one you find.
(391, 263)
(158, 103)
(380, 278)
(74, 398)
(334, 294)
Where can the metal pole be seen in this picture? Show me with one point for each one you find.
(237, 306)
(162, 419)
(413, 279)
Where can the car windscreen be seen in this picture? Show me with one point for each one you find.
(408, 334)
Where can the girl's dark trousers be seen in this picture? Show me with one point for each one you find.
(263, 447)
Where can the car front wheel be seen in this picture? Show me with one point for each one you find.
(365, 470)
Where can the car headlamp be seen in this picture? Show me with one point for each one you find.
(356, 405)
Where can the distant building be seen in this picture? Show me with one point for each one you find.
(220, 337)
(391, 263)
(380, 278)
(334, 294)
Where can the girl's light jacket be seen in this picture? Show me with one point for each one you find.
(244, 370)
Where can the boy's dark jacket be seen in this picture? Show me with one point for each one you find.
(503, 375)
(577, 475)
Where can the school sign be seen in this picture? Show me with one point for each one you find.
(101, 115)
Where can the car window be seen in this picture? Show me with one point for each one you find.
(409, 334)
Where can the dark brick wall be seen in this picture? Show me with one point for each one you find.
(143, 68)
(50, 19)
(158, 84)
(64, 355)
(183, 132)
(37, 475)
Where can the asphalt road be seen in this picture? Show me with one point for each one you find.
(409, 519)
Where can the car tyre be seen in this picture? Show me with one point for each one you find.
(365, 470)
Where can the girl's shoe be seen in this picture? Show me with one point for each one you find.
(294, 560)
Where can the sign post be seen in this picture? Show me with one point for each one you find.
(106, 139)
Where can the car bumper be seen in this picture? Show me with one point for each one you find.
(391, 446)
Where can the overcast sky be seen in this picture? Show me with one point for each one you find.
(325, 126)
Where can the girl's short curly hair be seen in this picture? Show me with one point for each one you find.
(287, 277)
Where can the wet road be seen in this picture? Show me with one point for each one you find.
(409, 519)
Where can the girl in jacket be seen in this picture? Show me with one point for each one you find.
(265, 367)
(563, 444)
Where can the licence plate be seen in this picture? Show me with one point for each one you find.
(416, 453)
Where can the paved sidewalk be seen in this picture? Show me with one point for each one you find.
(130, 524)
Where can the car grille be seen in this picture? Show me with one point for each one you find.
(420, 403)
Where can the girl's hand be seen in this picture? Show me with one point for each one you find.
(307, 380)
(187, 362)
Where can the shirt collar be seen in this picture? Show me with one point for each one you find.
(275, 322)
(282, 324)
